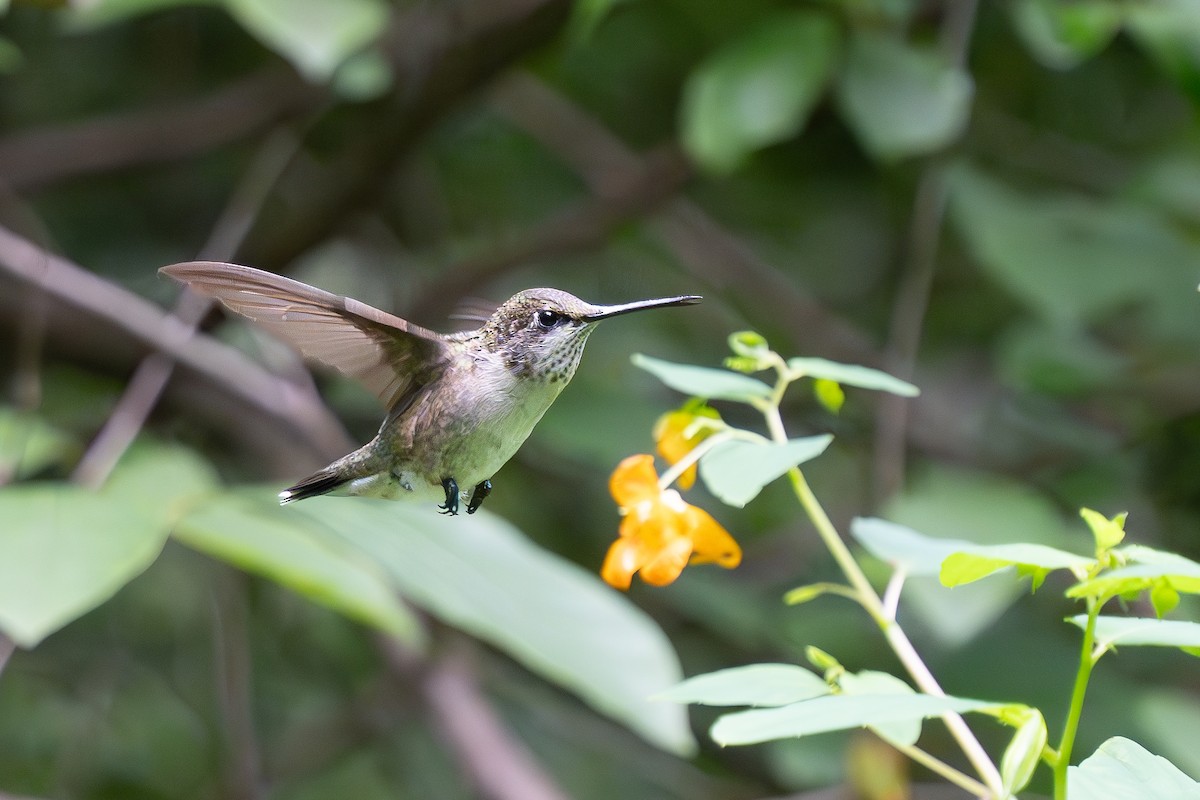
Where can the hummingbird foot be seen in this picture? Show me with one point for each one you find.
(478, 495)
(451, 505)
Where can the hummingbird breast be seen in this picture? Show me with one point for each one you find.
(465, 425)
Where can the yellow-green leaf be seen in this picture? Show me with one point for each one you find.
(1108, 532)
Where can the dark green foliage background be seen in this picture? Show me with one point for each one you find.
(478, 147)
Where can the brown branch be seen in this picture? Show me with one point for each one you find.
(219, 364)
(35, 158)
(440, 54)
(498, 764)
(701, 244)
(7, 646)
(231, 642)
(946, 421)
(585, 226)
(919, 791)
(916, 280)
(150, 378)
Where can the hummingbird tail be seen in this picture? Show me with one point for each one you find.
(318, 483)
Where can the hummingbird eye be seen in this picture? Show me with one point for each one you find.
(547, 319)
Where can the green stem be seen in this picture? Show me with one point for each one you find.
(1087, 660)
(833, 542)
(870, 600)
(936, 765)
(672, 474)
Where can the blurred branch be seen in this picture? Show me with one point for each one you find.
(231, 641)
(217, 363)
(150, 378)
(1048, 153)
(6, 650)
(497, 763)
(34, 158)
(957, 411)
(585, 226)
(30, 314)
(700, 243)
(440, 53)
(916, 279)
(919, 791)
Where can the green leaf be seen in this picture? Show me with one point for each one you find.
(979, 561)
(1108, 533)
(481, 575)
(28, 445)
(1146, 570)
(903, 547)
(316, 36)
(586, 16)
(758, 89)
(834, 713)
(736, 471)
(84, 17)
(1120, 631)
(750, 344)
(1122, 769)
(256, 535)
(902, 101)
(901, 732)
(363, 76)
(754, 685)
(1164, 598)
(1169, 31)
(12, 58)
(829, 394)
(1024, 752)
(851, 375)
(160, 481)
(711, 384)
(957, 504)
(1141, 554)
(65, 550)
(1064, 35)
(803, 594)
(1067, 256)
(822, 660)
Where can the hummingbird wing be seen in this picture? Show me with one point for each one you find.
(388, 354)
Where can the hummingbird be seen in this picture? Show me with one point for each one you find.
(459, 405)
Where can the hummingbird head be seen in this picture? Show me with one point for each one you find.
(541, 332)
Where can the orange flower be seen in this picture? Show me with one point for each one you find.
(673, 443)
(660, 533)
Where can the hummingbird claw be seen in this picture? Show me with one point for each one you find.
(450, 507)
(478, 494)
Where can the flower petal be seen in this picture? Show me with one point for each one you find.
(687, 478)
(712, 543)
(624, 558)
(634, 480)
(664, 566)
(672, 441)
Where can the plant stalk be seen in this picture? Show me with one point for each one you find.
(1087, 660)
(892, 631)
(939, 767)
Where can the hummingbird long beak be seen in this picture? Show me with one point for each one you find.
(604, 312)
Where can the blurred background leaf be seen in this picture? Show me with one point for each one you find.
(65, 549)
(758, 89)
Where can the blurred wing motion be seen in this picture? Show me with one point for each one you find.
(474, 309)
(386, 353)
